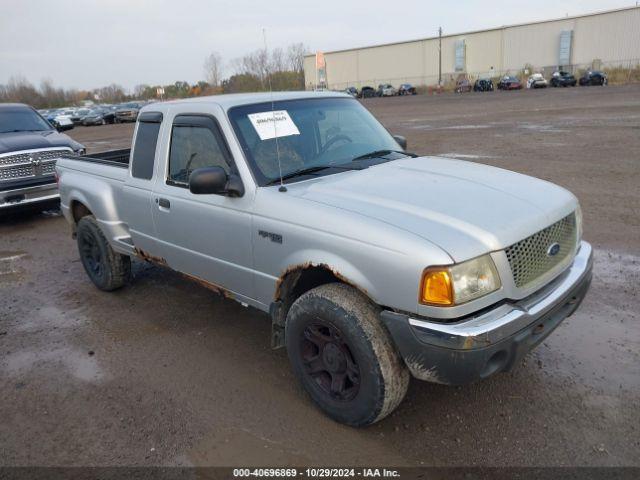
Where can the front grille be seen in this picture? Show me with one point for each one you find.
(529, 259)
(30, 164)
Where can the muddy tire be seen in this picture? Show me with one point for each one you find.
(107, 269)
(343, 355)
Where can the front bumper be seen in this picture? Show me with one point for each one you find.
(490, 341)
(29, 195)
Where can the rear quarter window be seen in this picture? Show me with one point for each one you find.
(144, 149)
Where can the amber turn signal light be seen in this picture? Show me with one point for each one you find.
(436, 287)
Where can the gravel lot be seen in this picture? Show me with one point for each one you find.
(164, 372)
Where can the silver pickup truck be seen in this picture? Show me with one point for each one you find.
(373, 263)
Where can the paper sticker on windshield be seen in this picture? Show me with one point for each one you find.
(270, 125)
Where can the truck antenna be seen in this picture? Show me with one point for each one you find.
(273, 112)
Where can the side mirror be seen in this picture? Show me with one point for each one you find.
(207, 180)
(401, 141)
(214, 180)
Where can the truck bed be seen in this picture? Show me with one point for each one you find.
(114, 158)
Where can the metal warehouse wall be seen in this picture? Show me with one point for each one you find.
(612, 37)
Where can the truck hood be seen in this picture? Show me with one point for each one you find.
(465, 208)
(16, 141)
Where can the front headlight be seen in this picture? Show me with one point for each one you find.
(461, 283)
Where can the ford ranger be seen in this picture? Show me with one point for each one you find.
(373, 263)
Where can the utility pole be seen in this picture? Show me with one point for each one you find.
(439, 56)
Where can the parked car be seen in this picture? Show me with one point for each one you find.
(386, 90)
(59, 120)
(98, 116)
(127, 112)
(594, 77)
(537, 81)
(367, 92)
(463, 85)
(407, 89)
(367, 275)
(79, 114)
(509, 83)
(29, 146)
(353, 91)
(563, 79)
(483, 85)
(70, 112)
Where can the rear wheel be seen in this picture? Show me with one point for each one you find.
(107, 269)
(343, 356)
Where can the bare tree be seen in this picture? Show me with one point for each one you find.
(277, 62)
(20, 90)
(295, 57)
(213, 69)
(140, 90)
(112, 94)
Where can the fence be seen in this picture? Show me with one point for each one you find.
(619, 72)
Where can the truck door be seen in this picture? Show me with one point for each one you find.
(207, 236)
(135, 199)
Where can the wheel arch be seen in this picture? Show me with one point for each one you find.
(298, 279)
(78, 210)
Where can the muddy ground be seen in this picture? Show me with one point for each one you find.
(165, 372)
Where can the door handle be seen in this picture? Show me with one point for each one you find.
(164, 203)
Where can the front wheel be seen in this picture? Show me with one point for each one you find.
(343, 356)
(107, 269)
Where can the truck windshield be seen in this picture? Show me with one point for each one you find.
(311, 134)
(22, 120)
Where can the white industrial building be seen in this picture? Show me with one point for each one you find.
(596, 40)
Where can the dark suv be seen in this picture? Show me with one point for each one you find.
(563, 79)
(593, 77)
(367, 92)
(483, 85)
(29, 146)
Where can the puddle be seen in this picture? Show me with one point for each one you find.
(56, 352)
(78, 364)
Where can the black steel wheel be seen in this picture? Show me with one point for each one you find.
(343, 356)
(107, 269)
(327, 359)
(91, 255)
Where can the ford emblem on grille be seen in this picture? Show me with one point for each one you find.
(553, 249)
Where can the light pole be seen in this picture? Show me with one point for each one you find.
(439, 56)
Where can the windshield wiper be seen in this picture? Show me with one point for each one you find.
(305, 171)
(298, 173)
(381, 153)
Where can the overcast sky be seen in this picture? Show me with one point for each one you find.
(91, 43)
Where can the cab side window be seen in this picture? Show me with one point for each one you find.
(196, 142)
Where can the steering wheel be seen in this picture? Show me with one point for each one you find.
(332, 140)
